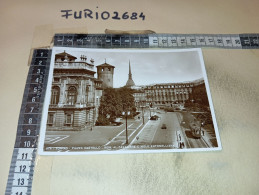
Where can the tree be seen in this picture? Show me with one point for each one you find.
(200, 95)
(127, 100)
(113, 103)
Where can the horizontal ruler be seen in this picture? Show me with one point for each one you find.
(25, 148)
(230, 41)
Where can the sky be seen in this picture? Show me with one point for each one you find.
(148, 67)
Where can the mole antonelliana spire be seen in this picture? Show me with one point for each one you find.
(130, 81)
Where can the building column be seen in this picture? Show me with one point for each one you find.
(79, 92)
(77, 118)
(62, 97)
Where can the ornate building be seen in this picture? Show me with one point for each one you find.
(75, 94)
(165, 94)
(130, 82)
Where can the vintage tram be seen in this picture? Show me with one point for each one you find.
(195, 128)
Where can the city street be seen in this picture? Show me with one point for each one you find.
(101, 137)
(177, 131)
(169, 131)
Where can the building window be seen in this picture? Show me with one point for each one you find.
(54, 95)
(97, 101)
(71, 96)
(56, 80)
(69, 118)
(50, 119)
(87, 90)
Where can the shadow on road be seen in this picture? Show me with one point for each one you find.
(214, 142)
(186, 119)
(185, 125)
(188, 134)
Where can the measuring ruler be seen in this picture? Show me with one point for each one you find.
(25, 149)
(228, 41)
(24, 153)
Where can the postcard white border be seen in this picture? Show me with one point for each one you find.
(48, 94)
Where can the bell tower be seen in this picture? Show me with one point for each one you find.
(105, 73)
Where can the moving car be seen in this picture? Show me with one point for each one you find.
(163, 126)
(154, 117)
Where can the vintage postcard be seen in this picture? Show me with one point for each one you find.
(102, 101)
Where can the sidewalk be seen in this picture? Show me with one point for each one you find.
(145, 135)
(209, 137)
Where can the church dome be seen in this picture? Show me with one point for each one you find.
(130, 83)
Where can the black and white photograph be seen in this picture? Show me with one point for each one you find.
(127, 101)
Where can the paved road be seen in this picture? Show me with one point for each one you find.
(148, 136)
(153, 134)
(171, 137)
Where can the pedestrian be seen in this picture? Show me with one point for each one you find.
(203, 132)
(183, 144)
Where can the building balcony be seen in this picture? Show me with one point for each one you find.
(73, 65)
(77, 105)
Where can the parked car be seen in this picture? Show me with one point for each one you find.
(163, 126)
(154, 117)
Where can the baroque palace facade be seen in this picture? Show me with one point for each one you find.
(165, 94)
(75, 93)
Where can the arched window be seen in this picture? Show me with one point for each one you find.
(71, 96)
(54, 95)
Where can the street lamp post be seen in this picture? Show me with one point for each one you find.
(150, 108)
(126, 116)
(202, 124)
(143, 114)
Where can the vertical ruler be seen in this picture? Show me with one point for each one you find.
(24, 153)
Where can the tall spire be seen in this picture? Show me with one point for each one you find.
(130, 81)
(130, 75)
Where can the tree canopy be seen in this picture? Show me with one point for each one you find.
(200, 95)
(113, 103)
